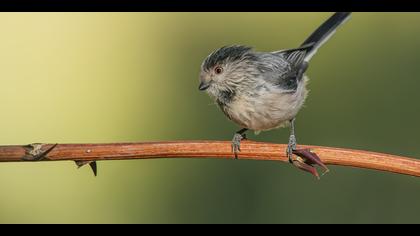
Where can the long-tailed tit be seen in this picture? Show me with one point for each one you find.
(265, 90)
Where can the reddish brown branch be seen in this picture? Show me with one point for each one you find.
(207, 149)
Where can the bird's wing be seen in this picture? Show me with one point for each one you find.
(295, 56)
(284, 69)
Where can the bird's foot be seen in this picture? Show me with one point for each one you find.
(305, 160)
(291, 147)
(236, 143)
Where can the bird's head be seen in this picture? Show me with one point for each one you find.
(225, 69)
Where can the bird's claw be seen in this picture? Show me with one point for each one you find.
(236, 143)
(291, 147)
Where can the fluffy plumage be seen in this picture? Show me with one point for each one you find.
(258, 91)
(262, 90)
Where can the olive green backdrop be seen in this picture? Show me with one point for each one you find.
(113, 77)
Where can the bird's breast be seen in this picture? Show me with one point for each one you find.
(266, 110)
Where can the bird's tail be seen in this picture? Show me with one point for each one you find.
(324, 32)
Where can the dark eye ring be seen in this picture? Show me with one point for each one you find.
(218, 70)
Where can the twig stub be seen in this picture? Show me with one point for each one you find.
(36, 152)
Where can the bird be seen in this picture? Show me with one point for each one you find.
(261, 91)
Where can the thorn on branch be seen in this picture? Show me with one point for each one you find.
(92, 165)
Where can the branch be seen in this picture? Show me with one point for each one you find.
(204, 149)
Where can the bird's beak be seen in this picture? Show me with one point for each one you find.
(203, 86)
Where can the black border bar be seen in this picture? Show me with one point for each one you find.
(207, 5)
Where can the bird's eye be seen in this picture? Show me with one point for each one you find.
(218, 70)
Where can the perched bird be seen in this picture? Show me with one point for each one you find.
(265, 90)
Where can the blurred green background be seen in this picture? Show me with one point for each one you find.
(114, 77)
